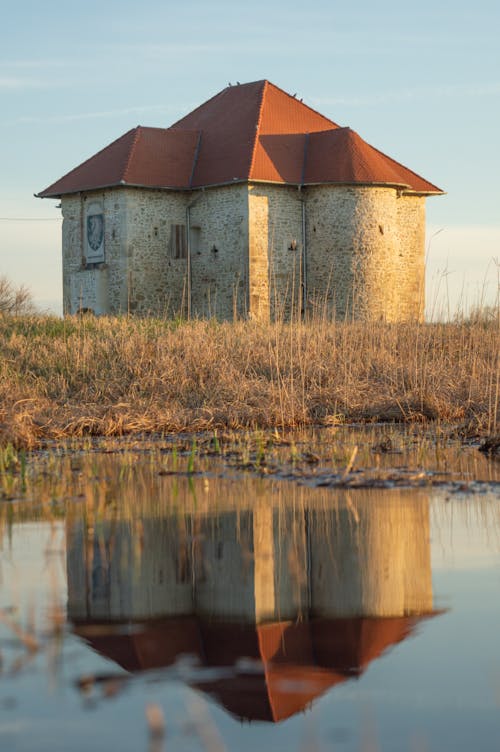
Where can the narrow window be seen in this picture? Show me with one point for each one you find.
(178, 244)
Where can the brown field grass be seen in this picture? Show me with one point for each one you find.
(116, 376)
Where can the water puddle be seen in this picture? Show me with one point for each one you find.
(189, 600)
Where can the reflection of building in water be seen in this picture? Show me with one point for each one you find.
(311, 593)
(372, 559)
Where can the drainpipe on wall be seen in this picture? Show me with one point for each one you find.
(188, 251)
(82, 232)
(302, 198)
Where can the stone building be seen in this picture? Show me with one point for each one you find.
(253, 204)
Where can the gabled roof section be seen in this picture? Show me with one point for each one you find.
(150, 157)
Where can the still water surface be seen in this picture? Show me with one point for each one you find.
(249, 614)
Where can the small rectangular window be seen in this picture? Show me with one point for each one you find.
(178, 243)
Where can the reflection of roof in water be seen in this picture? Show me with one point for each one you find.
(290, 663)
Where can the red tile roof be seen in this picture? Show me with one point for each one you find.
(341, 156)
(150, 157)
(253, 132)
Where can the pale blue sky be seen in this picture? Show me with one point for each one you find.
(420, 81)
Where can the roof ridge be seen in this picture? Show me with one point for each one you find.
(195, 158)
(257, 128)
(131, 153)
(299, 101)
(304, 158)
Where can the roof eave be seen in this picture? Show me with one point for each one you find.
(120, 184)
(222, 184)
(404, 187)
(437, 192)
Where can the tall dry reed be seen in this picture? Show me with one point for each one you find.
(112, 376)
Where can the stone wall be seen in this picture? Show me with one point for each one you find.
(263, 561)
(365, 252)
(218, 237)
(96, 287)
(219, 258)
(410, 275)
(275, 231)
(141, 272)
(156, 281)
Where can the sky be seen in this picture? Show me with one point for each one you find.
(419, 81)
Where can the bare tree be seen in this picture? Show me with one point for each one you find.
(14, 300)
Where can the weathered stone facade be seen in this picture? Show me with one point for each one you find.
(142, 273)
(365, 252)
(277, 233)
(248, 249)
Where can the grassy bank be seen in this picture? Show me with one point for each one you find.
(80, 376)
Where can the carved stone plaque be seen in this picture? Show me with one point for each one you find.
(95, 237)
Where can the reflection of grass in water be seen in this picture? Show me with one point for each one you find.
(74, 469)
(130, 477)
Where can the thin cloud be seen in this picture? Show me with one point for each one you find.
(28, 63)
(15, 82)
(72, 117)
(416, 93)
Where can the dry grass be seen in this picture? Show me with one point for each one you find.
(114, 376)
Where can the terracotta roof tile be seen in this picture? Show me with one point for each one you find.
(104, 168)
(162, 157)
(228, 123)
(341, 156)
(253, 131)
(280, 159)
(279, 146)
(151, 157)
